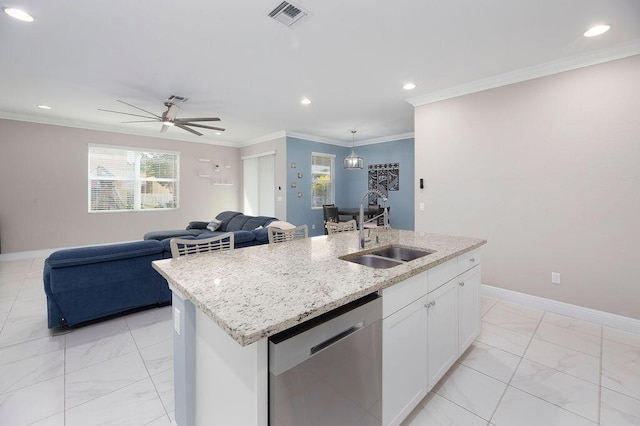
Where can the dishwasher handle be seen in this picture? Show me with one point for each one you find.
(335, 339)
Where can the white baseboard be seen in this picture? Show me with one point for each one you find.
(631, 325)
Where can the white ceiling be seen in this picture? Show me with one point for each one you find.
(351, 58)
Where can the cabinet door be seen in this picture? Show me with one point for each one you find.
(404, 361)
(442, 330)
(468, 307)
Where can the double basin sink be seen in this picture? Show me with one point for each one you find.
(387, 257)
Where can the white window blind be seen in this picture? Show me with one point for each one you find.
(125, 179)
(322, 181)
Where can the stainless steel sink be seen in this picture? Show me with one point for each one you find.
(387, 257)
(404, 254)
(374, 261)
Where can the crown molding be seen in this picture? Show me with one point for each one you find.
(384, 139)
(314, 138)
(266, 138)
(110, 129)
(548, 68)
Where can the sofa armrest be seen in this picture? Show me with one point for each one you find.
(107, 253)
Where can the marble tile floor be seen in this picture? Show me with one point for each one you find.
(116, 372)
(528, 367)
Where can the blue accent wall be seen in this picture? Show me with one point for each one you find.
(401, 202)
(349, 184)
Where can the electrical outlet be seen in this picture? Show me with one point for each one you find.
(313, 226)
(176, 320)
(555, 277)
(421, 207)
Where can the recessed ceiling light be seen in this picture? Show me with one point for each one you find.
(218, 133)
(305, 101)
(44, 107)
(409, 86)
(597, 30)
(18, 14)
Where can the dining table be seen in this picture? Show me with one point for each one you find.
(355, 212)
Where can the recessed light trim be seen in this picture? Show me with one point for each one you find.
(44, 107)
(409, 86)
(19, 14)
(218, 133)
(305, 101)
(597, 30)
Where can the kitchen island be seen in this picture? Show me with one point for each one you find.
(227, 304)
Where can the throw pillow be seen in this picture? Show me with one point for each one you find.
(213, 225)
(280, 224)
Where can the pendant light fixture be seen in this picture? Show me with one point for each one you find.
(353, 161)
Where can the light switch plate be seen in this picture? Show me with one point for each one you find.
(555, 277)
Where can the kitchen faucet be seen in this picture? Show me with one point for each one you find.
(385, 214)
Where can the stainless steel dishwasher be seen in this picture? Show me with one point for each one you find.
(327, 371)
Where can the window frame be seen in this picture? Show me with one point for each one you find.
(138, 180)
(332, 180)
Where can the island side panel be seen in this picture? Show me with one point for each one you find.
(184, 360)
(231, 380)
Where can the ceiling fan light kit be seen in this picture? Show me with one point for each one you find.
(168, 118)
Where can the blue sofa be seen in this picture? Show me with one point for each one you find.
(91, 283)
(247, 230)
(88, 283)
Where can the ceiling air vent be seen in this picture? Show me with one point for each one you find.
(288, 14)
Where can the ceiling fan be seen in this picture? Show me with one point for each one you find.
(168, 118)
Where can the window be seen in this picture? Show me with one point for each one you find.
(125, 179)
(322, 183)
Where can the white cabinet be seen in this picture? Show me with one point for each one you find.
(442, 330)
(429, 321)
(404, 355)
(469, 322)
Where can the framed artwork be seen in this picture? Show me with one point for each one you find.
(384, 178)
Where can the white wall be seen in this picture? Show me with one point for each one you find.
(548, 171)
(43, 188)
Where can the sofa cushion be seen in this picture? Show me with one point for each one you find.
(262, 236)
(255, 222)
(106, 253)
(196, 224)
(239, 237)
(161, 235)
(225, 217)
(238, 222)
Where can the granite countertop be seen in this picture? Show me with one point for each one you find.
(258, 291)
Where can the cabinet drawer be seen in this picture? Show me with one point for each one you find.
(400, 295)
(442, 273)
(468, 260)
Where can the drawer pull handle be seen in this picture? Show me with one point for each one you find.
(430, 304)
(461, 283)
(473, 259)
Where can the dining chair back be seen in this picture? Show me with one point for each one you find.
(277, 235)
(185, 247)
(334, 227)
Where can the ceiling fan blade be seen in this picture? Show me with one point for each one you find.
(183, 127)
(133, 106)
(200, 119)
(126, 113)
(202, 126)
